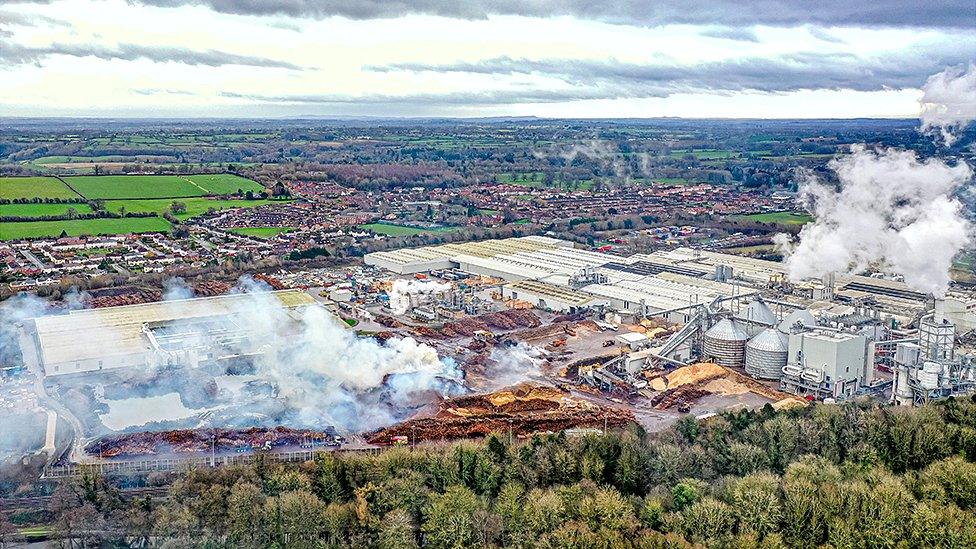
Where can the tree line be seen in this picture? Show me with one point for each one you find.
(853, 475)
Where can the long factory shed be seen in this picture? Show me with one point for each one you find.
(114, 337)
(662, 280)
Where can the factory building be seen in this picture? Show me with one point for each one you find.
(167, 333)
(825, 363)
(419, 260)
(548, 297)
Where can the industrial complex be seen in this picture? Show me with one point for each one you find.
(829, 339)
(648, 336)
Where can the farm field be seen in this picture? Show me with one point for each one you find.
(225, 183)
(158, 186)
(398, 230)
(78, 227)
(533, 179)
(100, 159)
(194, 206)
(34, 187)
(37, 229)
(34, 210)
(133, 186)
(704, 154)
(536, 180)
(261, 232)
(784, 218)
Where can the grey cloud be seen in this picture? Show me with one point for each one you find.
(14, 54)
(731, 33)
(157, 91)
(824, 35)
(16, 19)
(778, 74)
(478, 98)
(890, 13)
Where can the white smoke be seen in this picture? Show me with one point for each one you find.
(329, 375)
(948, 102)
(512, 365)
(891, 211)
(321, 372)
(402, 290)
(175, 289)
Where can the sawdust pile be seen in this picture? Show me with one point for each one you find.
(687, 384)
(525, 408)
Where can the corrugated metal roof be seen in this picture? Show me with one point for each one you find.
(726, 330)
(770, 340)
(560, 293)
(757, 311)
(114, 331)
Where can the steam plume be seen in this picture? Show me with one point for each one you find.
(949, 102)
(322, 373)
(891, 211)
(402, 290)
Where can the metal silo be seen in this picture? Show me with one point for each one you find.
(725, 342)
(766, 354)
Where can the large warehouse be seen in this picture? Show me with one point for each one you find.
(552, 274)
(181, 332)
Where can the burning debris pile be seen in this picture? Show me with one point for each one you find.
(525, 408)
(200, 440)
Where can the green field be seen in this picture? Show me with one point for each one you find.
(91, 159)
(783, 218)
(34, 187)
(225, 183)
(671, 180)
(261, 232)
(33, 210)
(133, 186)
(38, 229)
(532, 179)
(704, 154)
(398, 230)
(159, 186)
(194, 206)
(78, 227)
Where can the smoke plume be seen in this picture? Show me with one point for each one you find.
(511, 365)
(272, 365)
(402, 290)
(891, 211)
(176, 288)
(949, 103)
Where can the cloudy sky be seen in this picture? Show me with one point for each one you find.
(575, 58)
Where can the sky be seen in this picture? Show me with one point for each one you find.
(471, 58)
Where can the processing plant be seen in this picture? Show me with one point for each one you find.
(826, 339)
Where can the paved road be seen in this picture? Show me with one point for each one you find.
(32, 258)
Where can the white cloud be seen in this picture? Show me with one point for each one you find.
(335, 55)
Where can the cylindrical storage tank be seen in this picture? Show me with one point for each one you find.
(726, 343)
(928, 376)
(766, 354)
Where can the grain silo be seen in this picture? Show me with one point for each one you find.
(725, 342)
(756, 317)
(766, 354)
